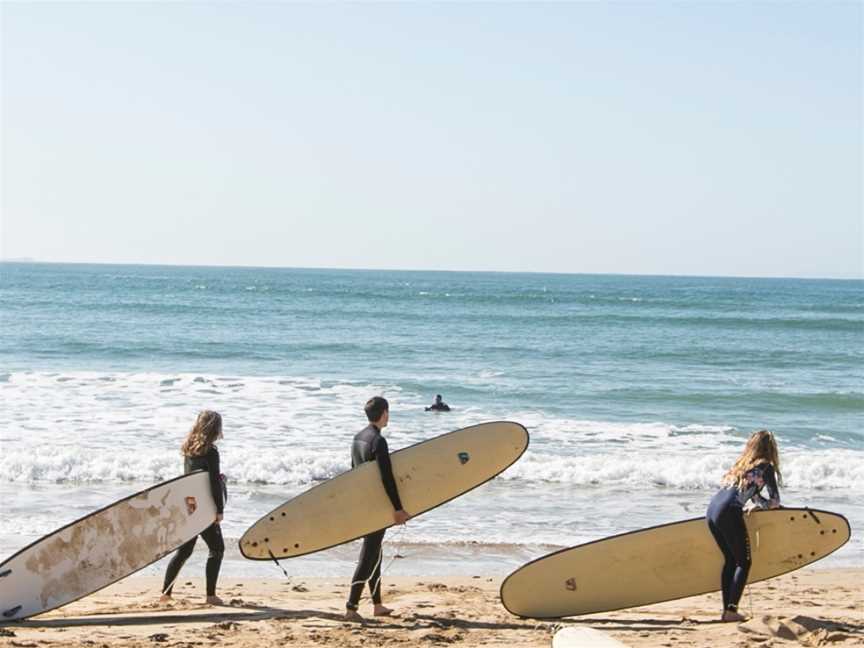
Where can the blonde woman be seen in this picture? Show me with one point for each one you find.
(756, 468)
(200, 453)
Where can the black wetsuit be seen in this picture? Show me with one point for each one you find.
(212, 535)
(438, 407)
(369, 445)
(726, 522)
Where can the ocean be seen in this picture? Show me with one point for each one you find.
(638, 392)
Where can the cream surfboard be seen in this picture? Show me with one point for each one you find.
(105, 546)
(354, 503)
(664, 563)
(584, 638)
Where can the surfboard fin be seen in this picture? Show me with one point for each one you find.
(11, 612)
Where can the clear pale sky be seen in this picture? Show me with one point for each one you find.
(651, 137)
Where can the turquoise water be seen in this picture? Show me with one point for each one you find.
(638, 391)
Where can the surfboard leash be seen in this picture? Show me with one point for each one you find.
(278, 564)
(396, 554)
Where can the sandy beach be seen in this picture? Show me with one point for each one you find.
(811, 607)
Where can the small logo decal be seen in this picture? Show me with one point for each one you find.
(464, 458)
(570, 584)
(191, 505)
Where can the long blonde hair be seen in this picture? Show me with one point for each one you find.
(761, 448)
(207, 428)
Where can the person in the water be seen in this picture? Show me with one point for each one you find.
(370, 445)
(438, 406)
(756, 468)
(199, 452)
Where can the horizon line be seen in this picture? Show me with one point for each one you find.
(30, 260)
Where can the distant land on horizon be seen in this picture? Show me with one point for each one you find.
(19, 260)
(276, 267)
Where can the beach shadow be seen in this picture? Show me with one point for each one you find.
(257, 613)
(812, 625)
(467, 624)
(639, 625)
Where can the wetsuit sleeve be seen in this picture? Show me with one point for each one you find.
(215, 479)
(771, 482)
(382, 456)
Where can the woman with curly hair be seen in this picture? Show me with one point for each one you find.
(757, 467)
(200, 453)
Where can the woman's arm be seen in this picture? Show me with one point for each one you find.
(215, 479)
(771, 482)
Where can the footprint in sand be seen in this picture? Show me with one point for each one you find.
(227, 625)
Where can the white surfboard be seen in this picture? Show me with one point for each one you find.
(105, 546)
(584, 638)
(355, 504)
(664, 563)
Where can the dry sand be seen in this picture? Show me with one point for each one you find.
(810, 607)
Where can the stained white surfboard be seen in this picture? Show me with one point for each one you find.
(664, 563)
(355, 504)
(584, 638)
(105, 546)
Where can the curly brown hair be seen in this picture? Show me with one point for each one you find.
(202, 436)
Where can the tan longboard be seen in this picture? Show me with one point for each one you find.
(355, 504)
(664, 563)
(105, 546)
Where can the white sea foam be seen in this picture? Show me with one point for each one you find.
(122, 427)
(290, 466)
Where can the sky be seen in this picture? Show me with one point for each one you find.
(684, 138)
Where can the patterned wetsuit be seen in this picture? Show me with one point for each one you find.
(726, 521)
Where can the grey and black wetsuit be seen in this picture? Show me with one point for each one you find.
(212, 535)
(369, 445)
(726, 522)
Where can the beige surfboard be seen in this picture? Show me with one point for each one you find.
(355, 504)
(664, 563)
(584, 638)
(105, 546)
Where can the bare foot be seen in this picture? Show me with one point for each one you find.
(729, 615)
(166, 598)
(380, 610)
(215, 600)
(353, 615)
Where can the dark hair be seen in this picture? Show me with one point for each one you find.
(375, 408)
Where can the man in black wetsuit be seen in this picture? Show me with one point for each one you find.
(369, 445)
(438, 406)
